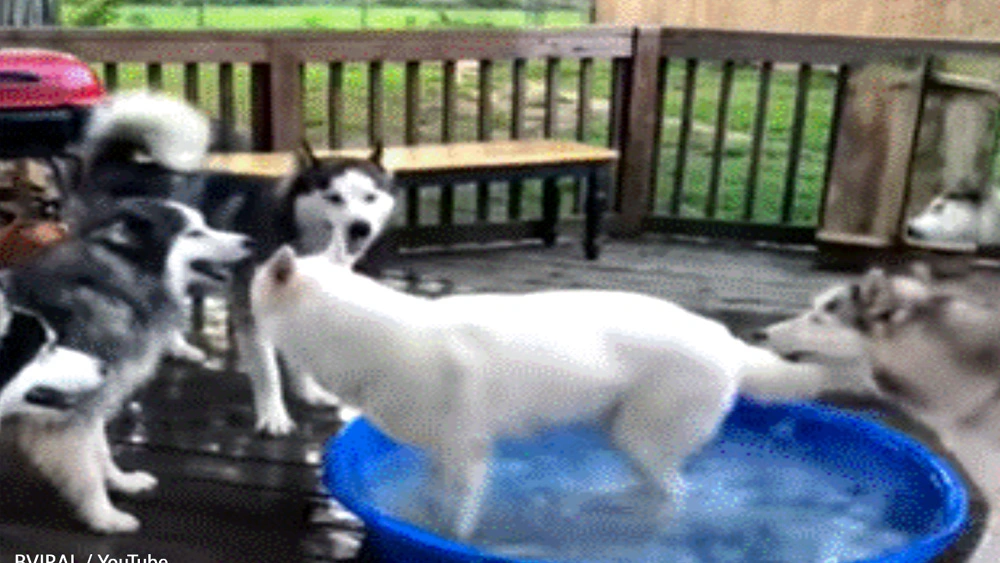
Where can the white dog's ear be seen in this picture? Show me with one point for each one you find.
(281, 267)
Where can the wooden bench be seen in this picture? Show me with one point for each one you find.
(442, 164)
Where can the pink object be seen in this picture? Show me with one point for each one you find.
(40, 78)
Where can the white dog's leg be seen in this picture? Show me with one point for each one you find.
(181, 349)
(658, 408)
(258, 359)
(128, 482)
(460, 478)
(261, 365)
(68, 456)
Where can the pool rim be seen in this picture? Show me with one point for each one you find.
(955, 507)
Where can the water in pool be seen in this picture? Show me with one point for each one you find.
(568, 496)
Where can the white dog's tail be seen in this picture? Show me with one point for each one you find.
(165, 129)
(768, 376)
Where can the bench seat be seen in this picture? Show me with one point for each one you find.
(508, 160)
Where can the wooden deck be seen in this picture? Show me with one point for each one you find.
(227, 495)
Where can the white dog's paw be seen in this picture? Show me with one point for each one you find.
(276, 423)
(183, 350)
(347, 413)
(109, 520)
(133, 482)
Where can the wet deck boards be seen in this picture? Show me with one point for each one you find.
(227, 495)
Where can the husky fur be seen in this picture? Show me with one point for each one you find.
(453, 374)
(959, 217)
(929, 347)
(152, 145)
(114, 293)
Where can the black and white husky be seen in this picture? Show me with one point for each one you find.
(113, 293)
(154, 145)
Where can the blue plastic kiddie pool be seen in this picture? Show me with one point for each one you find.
(788, 482)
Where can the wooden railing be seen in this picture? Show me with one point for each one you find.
(639, 90)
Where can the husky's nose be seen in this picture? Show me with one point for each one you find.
(359, 230)
(758, 336)
(913, 232)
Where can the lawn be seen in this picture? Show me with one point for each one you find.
(330, 17)
(732, 194)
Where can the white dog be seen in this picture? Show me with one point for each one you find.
(453, 374)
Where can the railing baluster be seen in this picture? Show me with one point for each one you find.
(449, 92)
(551, 194)
(227, 98)
(411, 132)
(484, 126)
(517, 93)
(335, 104)
(376, 103)
(585, 106)
(551, 120)
(684, 136)
(662, 71)
(584, 115)
(795, 143)
(759, 134)
(484, 131)
(620, 69)
(515, 190)
(719, 142)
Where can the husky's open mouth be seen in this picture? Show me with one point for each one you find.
(800, 356)
(357, 235)
(214, 271)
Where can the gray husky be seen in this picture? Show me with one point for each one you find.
(928, 346)
(151, 145)
(114, 293)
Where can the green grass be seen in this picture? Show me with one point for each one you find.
(326, 17)
(731, 200)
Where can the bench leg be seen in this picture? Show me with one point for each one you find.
(550, 210)
(598, 187)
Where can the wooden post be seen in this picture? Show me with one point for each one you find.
(635, 181)
(276, 100)
(870, 171)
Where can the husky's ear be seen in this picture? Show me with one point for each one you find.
(377, 153)
(306, 156)
(876, 296)
(281, 266)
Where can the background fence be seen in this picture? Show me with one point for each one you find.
(721, 133)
